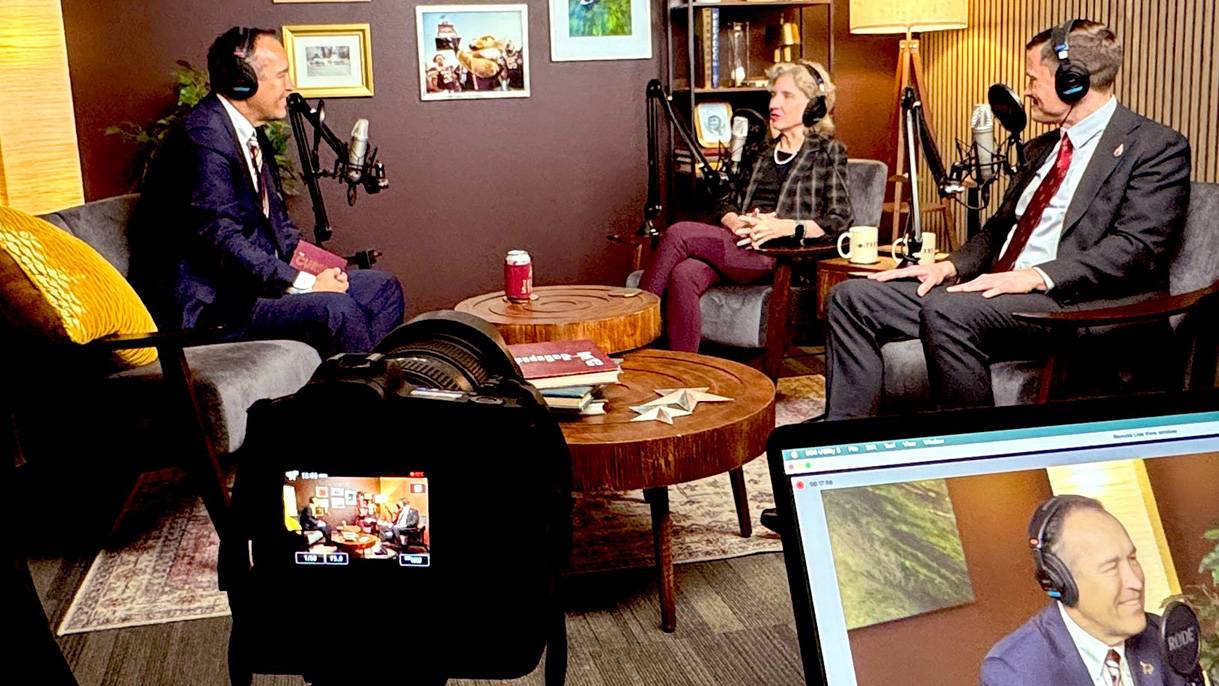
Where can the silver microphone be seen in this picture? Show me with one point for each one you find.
(740, 131)
(982, 122)
(357, 151)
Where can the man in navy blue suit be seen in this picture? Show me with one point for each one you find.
(1096, 633)
(213, 237)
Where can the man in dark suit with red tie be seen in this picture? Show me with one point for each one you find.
(213, 236)
(1094, 216)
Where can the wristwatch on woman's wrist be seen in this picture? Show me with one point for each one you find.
(799, 234)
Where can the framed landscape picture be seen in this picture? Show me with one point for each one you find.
(473, 51)
(330, 60)
(600, 30)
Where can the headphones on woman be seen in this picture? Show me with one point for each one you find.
(231, 73)
(1072, 79)
(1051, 572)
(815, 110)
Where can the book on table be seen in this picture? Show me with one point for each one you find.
(557, 364)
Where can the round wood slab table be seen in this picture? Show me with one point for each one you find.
(565, 313)
(611, 453)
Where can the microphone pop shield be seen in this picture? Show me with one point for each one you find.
(740, 132)
(1007, 108)
(1179, 637)
(357, 151)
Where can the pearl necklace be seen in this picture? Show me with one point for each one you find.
(789, 159)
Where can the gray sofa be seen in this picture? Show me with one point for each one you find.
(228, 377)
(187, 408)
(1195, 266)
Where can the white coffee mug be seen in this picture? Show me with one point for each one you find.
(863, 245)
(926, 255)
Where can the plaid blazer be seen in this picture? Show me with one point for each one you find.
(816, 188)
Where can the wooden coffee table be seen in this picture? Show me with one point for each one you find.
(611, 453)
(564, 313)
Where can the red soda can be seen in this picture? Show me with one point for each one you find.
(518, 276)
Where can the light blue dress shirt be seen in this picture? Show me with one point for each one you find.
(1042, 247)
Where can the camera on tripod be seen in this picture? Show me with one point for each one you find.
(424, 490)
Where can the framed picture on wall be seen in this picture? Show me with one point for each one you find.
(713, 123)
(322, 492)
(349, 498)
(473, 51)
(600, 30)
(330, 60)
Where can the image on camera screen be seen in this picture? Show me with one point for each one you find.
(342, 519)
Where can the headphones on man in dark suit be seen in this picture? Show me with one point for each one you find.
(815, 110)
(1072, 79)
(1052, 573)
(229, 67)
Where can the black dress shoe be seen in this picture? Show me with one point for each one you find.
(770, 519)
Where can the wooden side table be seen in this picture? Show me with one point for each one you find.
(563, 313)
(610, 452)
(834, 271)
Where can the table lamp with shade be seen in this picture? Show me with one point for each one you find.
(908, 17)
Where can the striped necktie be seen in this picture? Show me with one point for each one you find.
(260, 180)
(1032, 214)
(1113, 668)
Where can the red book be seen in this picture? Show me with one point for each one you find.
(309, 258)
(564, 363)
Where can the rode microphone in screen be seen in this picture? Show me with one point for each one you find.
(982, 124)
(357, 151)
(1180, 641)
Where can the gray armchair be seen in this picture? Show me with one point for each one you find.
(756, 316)
(1193, 292)
(188, 408)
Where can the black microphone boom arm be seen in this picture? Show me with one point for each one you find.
(372, 173)
(718, 182)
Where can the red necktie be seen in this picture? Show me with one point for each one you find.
(1032, 214)
(1113, 668)
(256, 157)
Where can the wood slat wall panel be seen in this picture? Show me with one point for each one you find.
(1170, 70)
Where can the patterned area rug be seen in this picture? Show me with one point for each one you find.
(161, 564)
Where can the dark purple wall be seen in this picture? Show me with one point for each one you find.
(553, 173)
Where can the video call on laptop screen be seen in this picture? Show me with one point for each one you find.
(916, 551)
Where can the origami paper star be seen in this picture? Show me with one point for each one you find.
(685, 398)
(658, 413)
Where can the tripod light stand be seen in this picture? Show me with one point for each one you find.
(906, 16)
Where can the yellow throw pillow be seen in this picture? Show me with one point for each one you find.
(56, 286)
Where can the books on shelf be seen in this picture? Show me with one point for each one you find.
(557, 364)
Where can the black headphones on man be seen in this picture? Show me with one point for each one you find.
(1051, 572)
(815, 110)
(1072, 79)
(231, 73)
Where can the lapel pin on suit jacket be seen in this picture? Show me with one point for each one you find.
(1148, 668)
(1121, 148)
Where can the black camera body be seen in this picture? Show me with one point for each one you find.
(436, 422)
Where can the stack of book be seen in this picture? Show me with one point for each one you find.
(569, 374)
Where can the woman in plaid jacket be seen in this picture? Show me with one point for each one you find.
(797, 190)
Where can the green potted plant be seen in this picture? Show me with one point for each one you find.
(1205, 602)
(191, 85)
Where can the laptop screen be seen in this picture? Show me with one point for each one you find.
(909, 558)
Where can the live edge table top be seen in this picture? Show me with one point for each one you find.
(616, 319)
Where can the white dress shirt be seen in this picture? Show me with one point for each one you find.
(245, 133)
(1093, 650)
(1042, 246)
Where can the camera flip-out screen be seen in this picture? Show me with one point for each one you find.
(345, 520)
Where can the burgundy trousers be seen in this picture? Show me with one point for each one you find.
(691, 258)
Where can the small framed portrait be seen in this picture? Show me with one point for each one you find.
(600, 30)
(349, 498)
(713, 124)
(336, 492)
(330, 60)
(473, 51)
(322, 492)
